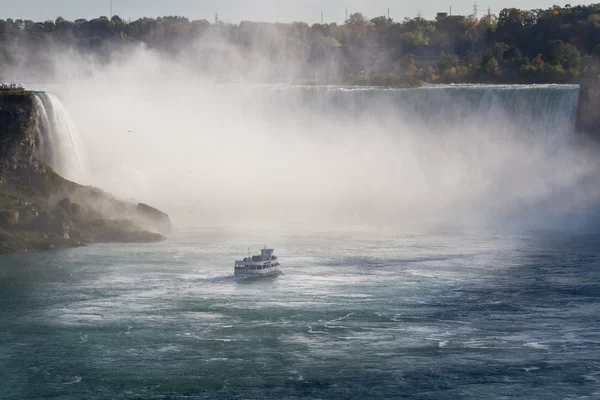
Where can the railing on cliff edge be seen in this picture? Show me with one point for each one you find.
(6, 87)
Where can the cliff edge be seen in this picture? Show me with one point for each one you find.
(40, 210)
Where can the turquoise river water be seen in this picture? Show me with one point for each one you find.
(353, 316)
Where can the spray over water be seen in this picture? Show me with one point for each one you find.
(327, 157)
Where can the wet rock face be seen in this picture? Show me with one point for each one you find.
(27, 214)
(123, 231)
(9, 218)
(72, 210)
(40, 210)
(154, 219)
(43, 223)
(17, 134)
(587, 117)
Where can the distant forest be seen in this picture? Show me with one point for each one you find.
(558, 44)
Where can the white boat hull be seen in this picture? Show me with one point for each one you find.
(258, 272)
(264, 264)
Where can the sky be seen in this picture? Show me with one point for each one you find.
(251, 10)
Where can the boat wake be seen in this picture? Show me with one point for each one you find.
(257, 278)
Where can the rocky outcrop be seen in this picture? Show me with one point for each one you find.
(123, 231)
(9, 218)
(154, 218)
(39, 210)
(588, 118)
(18, 158)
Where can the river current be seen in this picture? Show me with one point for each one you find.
(508, 312)
(355, 315)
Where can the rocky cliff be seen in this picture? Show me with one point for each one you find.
(41, 210)
(588, 120)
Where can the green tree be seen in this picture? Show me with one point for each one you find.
(358, 30)
(510, 44)
(537, 62)
(412, 40)
(358, 23)
(564, 54)
(489, 64)
(381, 24)
(570, 58)
(596, 52)
(407, 63)
(472, 61)
(447, 62)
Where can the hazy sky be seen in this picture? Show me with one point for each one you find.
(254, 10)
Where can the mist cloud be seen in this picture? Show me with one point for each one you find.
(204, 142)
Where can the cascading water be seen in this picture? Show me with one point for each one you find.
(461, 151)
(541, 108)
(59, 143)
(419, 157)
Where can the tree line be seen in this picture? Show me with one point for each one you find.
(557, 44)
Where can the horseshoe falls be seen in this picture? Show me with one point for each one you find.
(435, 243)
(433, 158)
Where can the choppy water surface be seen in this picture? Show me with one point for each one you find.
(354, 316)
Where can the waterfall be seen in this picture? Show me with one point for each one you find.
(453, 152)
(406, 157)
(535, 108)
(59, 143)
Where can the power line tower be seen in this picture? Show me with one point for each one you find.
(216, 18)
(419, 15)
(475, 11)
(489, 12)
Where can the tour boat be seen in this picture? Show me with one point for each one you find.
(260, 265)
